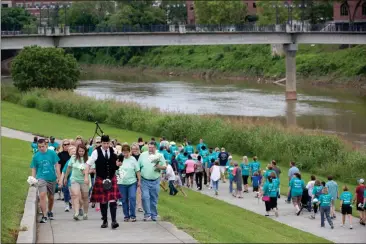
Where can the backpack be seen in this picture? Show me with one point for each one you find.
(319, 192)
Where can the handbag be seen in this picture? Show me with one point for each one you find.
(265, 198)
(107, 184)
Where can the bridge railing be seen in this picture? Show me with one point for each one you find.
(51, 30)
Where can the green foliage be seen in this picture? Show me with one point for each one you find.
(16, 19)
(176, 11)
(315, 153)
(220, 12)
(44, 67)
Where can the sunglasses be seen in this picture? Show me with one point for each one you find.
(67, 144)
(98, 142)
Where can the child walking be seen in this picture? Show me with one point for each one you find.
(325, 202)
(170, 176)
(256, 182)
(215, 176)
(178, 184)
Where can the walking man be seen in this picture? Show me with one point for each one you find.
(44, 170)
(151, 163)
(105, 189)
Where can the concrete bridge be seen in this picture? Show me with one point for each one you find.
(54, 37)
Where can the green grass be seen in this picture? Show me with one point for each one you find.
(47, 124)
(15, 160)
(205, 218)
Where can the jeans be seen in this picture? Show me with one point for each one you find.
(199, 180)
(150, 194)
(128, 193)
(215, 185)
(325, 211)
(289, 197)
(172, 189)
(231, 185)
(67, 197)
(205, 177)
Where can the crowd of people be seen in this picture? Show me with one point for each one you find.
(106, 173)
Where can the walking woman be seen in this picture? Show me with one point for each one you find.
(79, 190)
(190, 163)
(325, 202)
(245, 168)
(296, 188)
(128, 178)
(199, 172)
(215, 176)
(135, 152)
(270, 189)
(346, 208)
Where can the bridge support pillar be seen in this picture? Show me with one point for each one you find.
(290, 50)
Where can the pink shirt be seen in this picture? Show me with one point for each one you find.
(190, 166)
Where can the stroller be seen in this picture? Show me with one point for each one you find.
(305, 201)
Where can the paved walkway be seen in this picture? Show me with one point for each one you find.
(288, 217)
(64, 229)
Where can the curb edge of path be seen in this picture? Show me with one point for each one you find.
(28, 226)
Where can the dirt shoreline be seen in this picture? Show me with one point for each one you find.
(331, 82)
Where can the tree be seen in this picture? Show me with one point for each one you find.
(176, 11)
(44, 68)
(220, 12)
(16, 18)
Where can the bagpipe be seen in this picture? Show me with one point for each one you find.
(98, 131)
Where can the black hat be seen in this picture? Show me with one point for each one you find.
(105, 138)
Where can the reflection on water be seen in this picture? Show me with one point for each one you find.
(328, 110)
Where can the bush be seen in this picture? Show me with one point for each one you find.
(315, 153)
(44, 68)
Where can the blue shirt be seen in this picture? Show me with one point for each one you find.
(256, 180)
(254, 166)
(230, 172)
(292, 171)
(270, 189)
(332, 188)
(346, 197)
(245, 169)
(44, 163)
(325, 200)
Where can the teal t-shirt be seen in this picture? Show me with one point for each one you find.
(181, 160)
(199, 146)
(64, 171)
(126, 174)
(90, 150)
(55, 145)
(297, 187)
(173, 149)
(325, 200)
(44, 163)
(268, 173)
(230, 172)
(34, 147)
(245, 168)
(270, 189)
(254, 167)
(317, 191)
(189, 149)
(346, 197)
(204, 154)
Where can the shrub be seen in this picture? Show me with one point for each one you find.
(316, 153)
(44, 68)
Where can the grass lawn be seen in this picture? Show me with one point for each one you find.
(15, 159)
(203, 217)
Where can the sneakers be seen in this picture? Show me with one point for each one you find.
(43, 220)
(342, 225)
(332, 226)
(312, 217)
(50, 215)
(85, 216)
(81, 213)
(350, 227)
(119, 203)
(287, 201)
(76, 216)
(67, 208)
(147, 218)
(216, 193)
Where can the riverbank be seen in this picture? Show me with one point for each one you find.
(314, 152)
(320, 65)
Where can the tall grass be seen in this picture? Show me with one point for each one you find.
(313, 152)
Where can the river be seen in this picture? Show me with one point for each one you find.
(335, 111)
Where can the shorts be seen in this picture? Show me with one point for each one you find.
(296, 199)
(271, 204)
(360, 208)
(255, 188)
(346, 209)
(188, 175)
(245, 179)
(47, 186)
(76, 186)
(222, 169)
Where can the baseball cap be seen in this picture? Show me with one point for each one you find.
(52, 138)
(98, 139)
(361, 181)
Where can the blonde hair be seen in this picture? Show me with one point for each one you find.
(119, 149)
(72, 142)
(135, 144)
(245, 159)
(71, 148)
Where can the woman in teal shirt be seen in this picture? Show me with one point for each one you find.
(325, 201)
(346, 208)
(128, 179)
(270, 189)
(296, 187)
(245, 168)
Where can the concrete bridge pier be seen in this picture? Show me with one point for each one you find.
(290, 50)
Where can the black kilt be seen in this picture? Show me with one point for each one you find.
(102, 196)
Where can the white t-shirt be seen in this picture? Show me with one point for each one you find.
(215, 174)
(310, 187)
(170, 173)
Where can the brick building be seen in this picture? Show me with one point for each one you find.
(341, 14)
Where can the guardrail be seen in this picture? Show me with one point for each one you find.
(285, 28)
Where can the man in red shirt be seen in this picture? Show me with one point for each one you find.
(359, 199)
